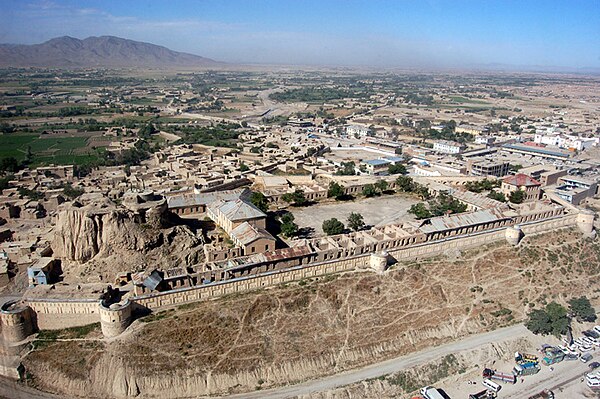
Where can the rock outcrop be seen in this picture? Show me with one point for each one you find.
(82, 233)
(104, 238)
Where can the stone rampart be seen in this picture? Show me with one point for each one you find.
(53, 313)
(56, 313)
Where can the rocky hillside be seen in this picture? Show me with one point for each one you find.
(103, 239)
(103, 51)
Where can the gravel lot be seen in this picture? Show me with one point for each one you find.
(376, 211)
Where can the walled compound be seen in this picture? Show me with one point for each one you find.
(308, 258)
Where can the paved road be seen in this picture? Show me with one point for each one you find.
(387, 367)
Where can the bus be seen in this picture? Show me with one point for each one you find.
(491, 385)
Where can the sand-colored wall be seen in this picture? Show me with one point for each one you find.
(52, 314)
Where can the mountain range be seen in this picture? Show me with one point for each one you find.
(103, 51)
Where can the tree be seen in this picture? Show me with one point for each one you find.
(420, 211)
(369, 190)
(147, 130)
(405, 184)
(333, 226)
(397, 169)
(381, 185)
(558, 315)
(335, 191)
(5, 182)
(346, 169)
(260, 201)
(9, 164)
(539, 322)
(551, 320)
(355, 221)
(516, 197)
(71, 191)
(288, 227)
(497, 196)
(297, 198)
(582, 309)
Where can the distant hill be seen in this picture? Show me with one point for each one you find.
(103, 51)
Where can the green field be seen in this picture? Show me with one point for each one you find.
(464, 100)
(45, 150)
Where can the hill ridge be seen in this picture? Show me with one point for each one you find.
(97, 51)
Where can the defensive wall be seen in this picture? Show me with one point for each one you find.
(42, 313)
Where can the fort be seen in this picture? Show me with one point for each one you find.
(374, 249)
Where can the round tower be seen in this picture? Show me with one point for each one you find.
(379, 261)
(16, 319)
(513, 234)
(115, 318)
(585, 222)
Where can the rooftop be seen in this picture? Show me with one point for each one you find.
(461, 220)
(238, 210)
(194, 199)
(245, 233)
(521, 179)
(376, 162)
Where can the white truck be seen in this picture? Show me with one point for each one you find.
(431, 393)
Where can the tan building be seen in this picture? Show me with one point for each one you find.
(547, 175)
(522, 182)
(244, 223)
(252, 239)
(230, 214)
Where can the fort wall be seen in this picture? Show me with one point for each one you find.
(54, 313)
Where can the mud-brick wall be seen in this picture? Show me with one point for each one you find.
(55, 314)
(159, 300)
(549, 225)
(437, 248)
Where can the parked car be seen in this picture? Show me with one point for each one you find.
(591, 333)
(594, 365)
(586, 357)
(597, 329)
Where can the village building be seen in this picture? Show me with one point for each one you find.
(520, 181)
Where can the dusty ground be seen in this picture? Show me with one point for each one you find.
(301, 331)
(376, 211)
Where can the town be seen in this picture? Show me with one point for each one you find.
(129, 195)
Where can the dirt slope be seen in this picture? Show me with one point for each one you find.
(292, 333)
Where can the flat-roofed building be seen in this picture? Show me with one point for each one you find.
(488, 168)
(376, 166)
(575, 189)
(358, 130)
(448, 147)
(547, 175)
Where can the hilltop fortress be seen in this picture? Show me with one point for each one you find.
(245, 268)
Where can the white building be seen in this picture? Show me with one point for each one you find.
(448, 147)
(359, 130)
(565, 141)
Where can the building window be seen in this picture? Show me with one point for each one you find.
(252, 249)
(267, 247)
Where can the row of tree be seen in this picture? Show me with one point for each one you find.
(554, 318)
(334, 226)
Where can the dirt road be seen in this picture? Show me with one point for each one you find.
(387, 367)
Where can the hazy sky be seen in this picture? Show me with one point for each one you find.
(411, 33)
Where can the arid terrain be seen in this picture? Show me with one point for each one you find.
(314, 328)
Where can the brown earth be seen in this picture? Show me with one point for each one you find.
(313, 328)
